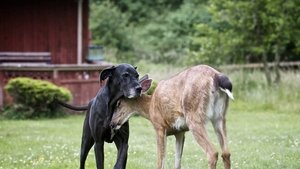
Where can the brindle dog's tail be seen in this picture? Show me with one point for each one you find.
(225, 85)
(76, 108)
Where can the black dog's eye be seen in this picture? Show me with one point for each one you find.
(125, 74)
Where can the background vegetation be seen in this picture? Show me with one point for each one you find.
(34, 98)
(189, 32)
(202, 31)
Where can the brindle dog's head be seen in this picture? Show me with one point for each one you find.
(125, 108)
(123, 80)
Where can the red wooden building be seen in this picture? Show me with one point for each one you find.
(47, 39)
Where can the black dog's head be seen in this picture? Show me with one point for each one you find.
(124, 78)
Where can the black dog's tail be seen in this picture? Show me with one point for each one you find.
(76, 108)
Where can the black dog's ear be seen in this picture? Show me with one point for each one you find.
(107, 73)
(135, 67)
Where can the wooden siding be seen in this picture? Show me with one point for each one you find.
(81, 80)
(43, 26)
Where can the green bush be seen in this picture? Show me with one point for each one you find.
(34, 98)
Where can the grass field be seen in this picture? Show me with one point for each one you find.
(263, 128)
(257, 140)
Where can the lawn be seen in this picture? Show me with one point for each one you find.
(263, 129)
(257, 140)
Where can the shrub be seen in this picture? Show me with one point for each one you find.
(34, 98)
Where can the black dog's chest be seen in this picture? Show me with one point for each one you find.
(97, 123)
(100, 120)
(108, 135)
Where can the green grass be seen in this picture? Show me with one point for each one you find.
(263, 132)
(257, 140)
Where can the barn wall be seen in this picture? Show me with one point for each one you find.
(43, 26)
(81, 80)
(85, 29)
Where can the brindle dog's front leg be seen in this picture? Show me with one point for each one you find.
(161, 147)
(121, 141)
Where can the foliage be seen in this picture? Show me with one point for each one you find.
(143, 10)
(110, 29)
(251, 31)
(159, 31)
(257, 26)
(190, 32)
(215, 46)
(157, 71)
(34, 98)
(167, 39)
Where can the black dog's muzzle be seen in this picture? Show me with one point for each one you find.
(133, 92)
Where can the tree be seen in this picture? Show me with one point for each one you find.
(142, 11)
(159, 30)
(167, 38)
(261, 28)
(109, 27)
(199, 31)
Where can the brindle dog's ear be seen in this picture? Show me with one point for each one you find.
(107, 73)
(146, 84)
(144, 78)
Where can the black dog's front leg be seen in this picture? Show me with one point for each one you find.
(121, 141)
(99, 154)
(86, 144)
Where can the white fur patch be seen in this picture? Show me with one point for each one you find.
(118, 127)
(216, 106)
(125, 119)
(210, 111)
(219, 107)
(132, 93)
(229, 94)
(179, 123)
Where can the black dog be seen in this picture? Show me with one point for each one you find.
(122, 81)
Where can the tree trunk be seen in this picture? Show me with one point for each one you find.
(266, 68)
(276, 66)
